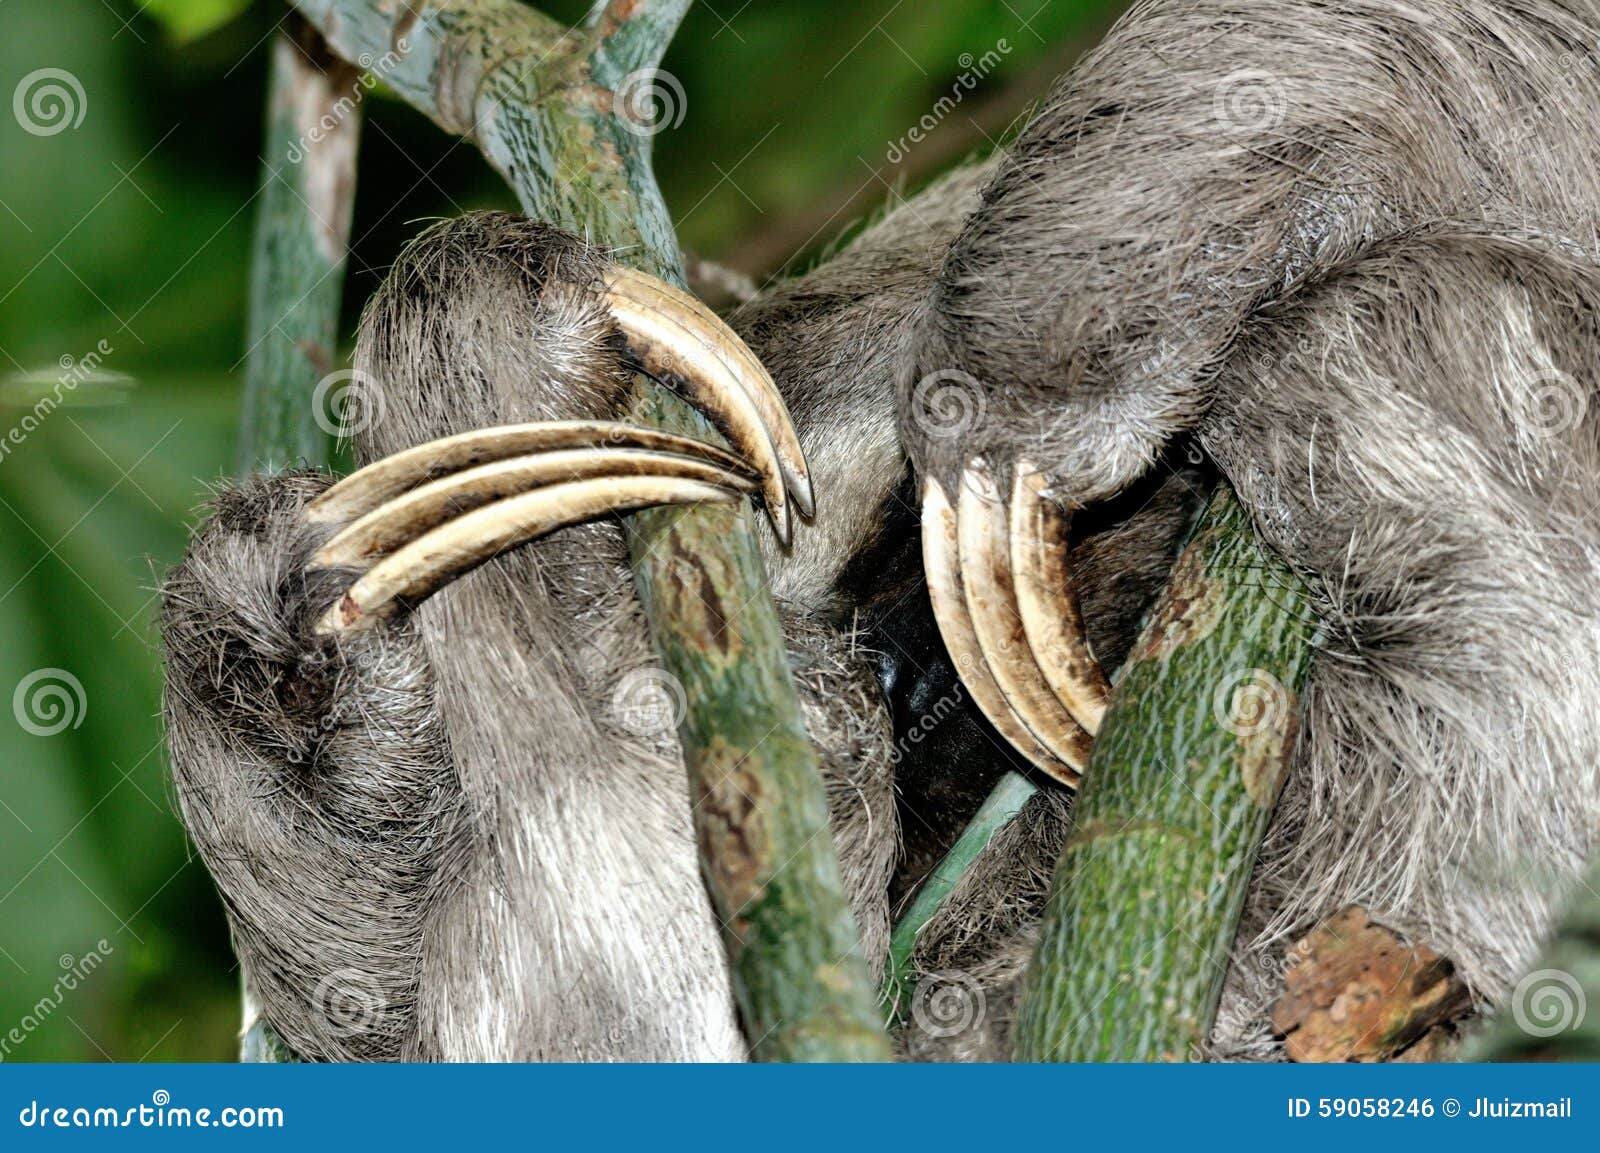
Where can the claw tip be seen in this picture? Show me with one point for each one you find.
(781, 525)
(805, 496)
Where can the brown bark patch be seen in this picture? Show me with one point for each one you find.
(696, 596)
(1264, 752)
(1190, 610)
(1355, 991)
(734, 839)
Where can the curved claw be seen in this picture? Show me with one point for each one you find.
(633, 290)
(425, 516)
(1046, 602)
(441, 555)
(942, 567)
(678, 341)
(992, 605)
(365, 490)
(1001, 586)
(391, 525)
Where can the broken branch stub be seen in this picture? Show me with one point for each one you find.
(1355, 991)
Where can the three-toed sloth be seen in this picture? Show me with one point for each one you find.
(1344, 254)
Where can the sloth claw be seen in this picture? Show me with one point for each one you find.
(942, 566)
(670, 336)
(365, 490)
(679, 342)
(414, 570)
(992, 603)
(1001, 590)
(390, 525)
(415, 521)
(1047, 602)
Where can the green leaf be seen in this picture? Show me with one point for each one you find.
(188, 20)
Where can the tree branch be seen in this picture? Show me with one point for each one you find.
(533, 97)
(1003, 803)
(1554, 1012)
(1180, 787)
(630, 36)
(302, 236)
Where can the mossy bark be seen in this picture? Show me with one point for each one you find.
(1180, 787)
(538, 100)
(1553, 1013)
(302, 234)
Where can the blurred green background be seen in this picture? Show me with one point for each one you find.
(126, 230)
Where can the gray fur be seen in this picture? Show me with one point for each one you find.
(834, 340)
(1377, 307)
(315, 778)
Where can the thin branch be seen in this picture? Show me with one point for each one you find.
(302, 236)
(630, 36)
(1004, 802)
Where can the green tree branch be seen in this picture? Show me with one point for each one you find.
(1180, 787)
(1554, 1012)
(302, 236)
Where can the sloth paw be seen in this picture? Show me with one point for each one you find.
(411, 523)
(1000, 581)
